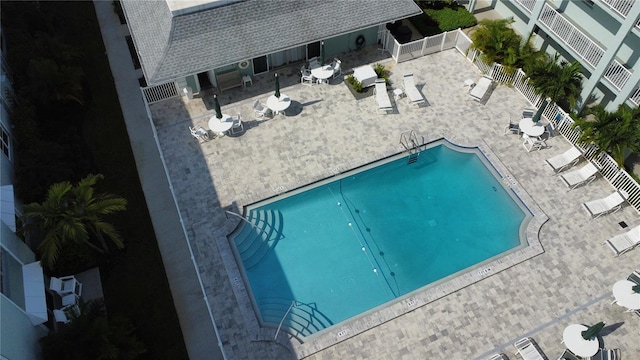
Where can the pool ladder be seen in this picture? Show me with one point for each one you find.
(412, 145)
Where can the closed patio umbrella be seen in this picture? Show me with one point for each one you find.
(538, 114)
(277, 94)
(322, 53)
(216, 106)
(592, 331)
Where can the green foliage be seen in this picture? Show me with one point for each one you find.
(562, 82)
(496, 40)
(382, 72)
(451, 18)
(91, 335)
(613, 132)
(73, 217)
(440, 16)
(355, 84)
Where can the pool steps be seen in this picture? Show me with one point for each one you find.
(301, 321)
(254, 242)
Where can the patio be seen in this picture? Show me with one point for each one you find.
(327, 131)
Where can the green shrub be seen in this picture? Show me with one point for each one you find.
(355, 84)
(381, 72)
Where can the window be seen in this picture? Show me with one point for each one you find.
(5, 142)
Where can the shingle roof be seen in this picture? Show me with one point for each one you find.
(171, 47)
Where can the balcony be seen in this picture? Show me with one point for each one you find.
(571, 36)
(527, 5)
(620, 7)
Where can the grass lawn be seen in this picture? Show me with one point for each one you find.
(134, 280)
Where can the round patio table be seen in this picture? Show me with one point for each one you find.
(278, 105)
(625, 296)
(322, 72)
(572, 338)
(220, 126)
(530, 128)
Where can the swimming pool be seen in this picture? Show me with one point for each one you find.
(327, 252)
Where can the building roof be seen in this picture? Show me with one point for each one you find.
(176, 45)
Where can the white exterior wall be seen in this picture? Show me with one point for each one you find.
(19, 338)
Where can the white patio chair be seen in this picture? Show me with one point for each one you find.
(314, 63)
(305, 76)
(382, 97)
(412, 91)
(261, 110)
(528, 113)
(606, 205)
(528, 350)
(499, 357)
(66, 285)
(237, 125)
(60, 316)
(565, 160)
(582, 176)
(512, 128)
(531, 144)
(624, 242)
(337, 69)
(200, 133)
(479, 92)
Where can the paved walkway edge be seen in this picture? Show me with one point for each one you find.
(196, 322)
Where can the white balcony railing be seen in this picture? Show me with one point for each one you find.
(617, 74)
(571, 36)
(635, 97)
(527, 4)
(621, 7)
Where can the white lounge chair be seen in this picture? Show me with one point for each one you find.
(528, 350)
(624, 242)
(412, 91)
(582, 176)
(382, 97)
(565, 160)
(606, 205)
(479, 91)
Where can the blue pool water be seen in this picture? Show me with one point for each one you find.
(343, 247)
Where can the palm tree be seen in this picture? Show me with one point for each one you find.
(496, 40)
(613, 132)
(73, 216)
(562, 82)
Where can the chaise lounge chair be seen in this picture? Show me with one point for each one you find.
(479, 91)
(382, 97)
(606, 205)
(582, 176)
(412, 91)
(565, 160)
(624, 242)
(528, 350)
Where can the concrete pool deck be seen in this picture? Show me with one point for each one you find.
(326, 132)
